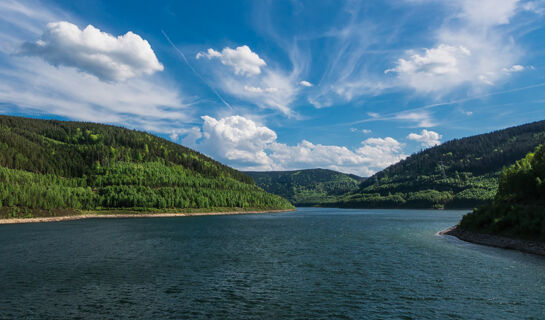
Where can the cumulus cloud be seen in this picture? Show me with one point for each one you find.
(426, 138)
(237, 139)
(243, 60)
(95, 52)
(305, 83)
(32, 85)
(251, 146)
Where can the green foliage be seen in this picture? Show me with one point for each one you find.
(465, 172)
(59, 165)
(72, 149)
(307, 187)
(518, 209)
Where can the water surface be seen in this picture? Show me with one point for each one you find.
(309, 264)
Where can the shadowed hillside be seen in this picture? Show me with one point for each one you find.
(518, 210)
(307, 187)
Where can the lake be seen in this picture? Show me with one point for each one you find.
(311, 264)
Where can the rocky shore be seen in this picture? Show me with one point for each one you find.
(534, 247)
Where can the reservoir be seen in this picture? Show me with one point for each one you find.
(314, 263)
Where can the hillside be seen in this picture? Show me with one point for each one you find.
(518, 210)
(306, 187)
(462, 173)
(50, 167)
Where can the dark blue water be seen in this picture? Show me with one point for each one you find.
(309, 264)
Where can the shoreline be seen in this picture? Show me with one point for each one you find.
(527, 246)
(132, 215)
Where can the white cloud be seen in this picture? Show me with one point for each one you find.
(381, 152)
(264, 86)
(365, 131)
(349, 66)
(442, 60)
(191, 135)
(448, 66)
(36, 86)
(488, 12)
(305, 83)
(514, 68)
(421, 119)
(260, 90)
(31, 85)
(237, 139)
(243, 60)
(471, 50)
(426, 138)
(251, 146)
(537, 6)
(95, 52)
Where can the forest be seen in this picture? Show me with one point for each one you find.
(462, 173)
(518, 209)
(50, 165)
(307, 187)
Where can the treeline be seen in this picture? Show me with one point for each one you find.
(307, 187)
(131, 185)
(518, 209)
(462, 173)
(467, 192)
(67, 165)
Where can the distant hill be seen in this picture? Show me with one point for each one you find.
(48, 167)
(462, 173)
(306, 187)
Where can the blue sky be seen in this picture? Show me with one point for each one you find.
(272, 85)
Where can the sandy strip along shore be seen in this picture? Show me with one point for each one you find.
(130, 215)
(534, 247)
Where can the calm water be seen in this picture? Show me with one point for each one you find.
(309, 264)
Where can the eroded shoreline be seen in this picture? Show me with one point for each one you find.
(534, 247)
(131, 215)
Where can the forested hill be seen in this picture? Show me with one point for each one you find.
(518, 210)
(461, 173)
(49, 164)
(307, 187)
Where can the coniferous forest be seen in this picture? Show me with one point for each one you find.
(462, 173)
(51, 167)
(518, 209)
(307, 187)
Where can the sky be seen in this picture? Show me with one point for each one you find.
(353, 86)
